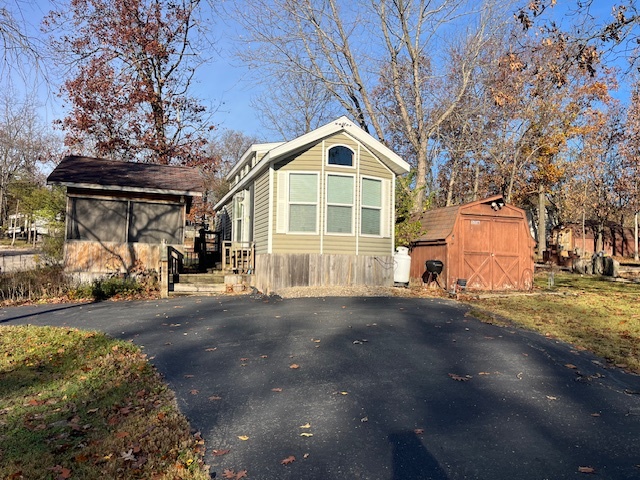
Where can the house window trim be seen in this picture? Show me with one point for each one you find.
(353, 204)
(381, 209)
(332, 165)
(316, 203)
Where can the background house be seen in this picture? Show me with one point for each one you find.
(486, 243)
(317, 210)
(120, 213)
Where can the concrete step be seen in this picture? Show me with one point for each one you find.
(201, 278)
(197, 289)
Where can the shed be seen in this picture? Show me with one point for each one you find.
(487, 243)
(119, 214)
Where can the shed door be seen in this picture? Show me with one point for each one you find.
(490, 253)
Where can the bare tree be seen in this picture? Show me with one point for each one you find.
(24, 144)
(348, 46)
(294, 105)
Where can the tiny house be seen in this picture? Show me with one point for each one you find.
(485, 245)
(316, 210)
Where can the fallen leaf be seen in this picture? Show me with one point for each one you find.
(219, 453)
(122, 434)
(484, 373)
(306, 455)
(228, 473)
(571, 365)
(211, 349)
(241, 474)
(550, 397)
(188, 376)
(364, 419)
(294, 366)
(344, 393)
(244, 438)
(277, 389)
(306, 425)
(194, 392)
(418, 431)
(244, 359)
(264, 356)
(288, 460)
(128, 456)
(595, 414)
(215, 397)
(459, 378)
(306, 434)
(586, 470)
(81, 458)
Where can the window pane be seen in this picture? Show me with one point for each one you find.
(303, 187)
(340, 156)
(370, 221)
(302, 218)
(339, 189)
(338, 219)
(371, 192)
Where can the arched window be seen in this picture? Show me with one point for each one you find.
(340, 155)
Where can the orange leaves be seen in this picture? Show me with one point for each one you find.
(231, 474)
(219, 453)
(289, 460)
(586, 470)
(294, 366)
(459, 378)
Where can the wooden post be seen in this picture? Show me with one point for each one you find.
(164, 270)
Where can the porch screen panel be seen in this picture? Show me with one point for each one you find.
(97, 220)
(154, 222)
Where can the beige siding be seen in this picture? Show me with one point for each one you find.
(374, 246)
(261, 213)
(312, 160)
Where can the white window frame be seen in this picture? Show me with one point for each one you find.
(327, 205)
(284, 202)
(353, 157)
(381, 208)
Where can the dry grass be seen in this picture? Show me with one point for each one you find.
(77, 404)
(593, 313)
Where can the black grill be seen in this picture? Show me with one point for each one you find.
(434, 269)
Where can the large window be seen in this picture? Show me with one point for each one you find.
(339, 204)
(303, 202)
(340, 155)
(371, 214)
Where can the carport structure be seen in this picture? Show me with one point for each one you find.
(486, 244)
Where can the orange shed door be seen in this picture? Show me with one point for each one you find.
(490, 259)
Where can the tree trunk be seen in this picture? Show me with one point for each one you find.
(542, 225)
(452, 181)
(476, 182)
(635, 251)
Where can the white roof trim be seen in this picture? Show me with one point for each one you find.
(246, 156)
(395, 163)
(118, 188)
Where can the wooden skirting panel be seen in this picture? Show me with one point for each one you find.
(280, 270)
(109, 258)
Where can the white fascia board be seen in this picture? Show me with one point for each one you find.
(117, 188)
(256, 149)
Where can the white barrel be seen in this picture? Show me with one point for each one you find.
(402, 265)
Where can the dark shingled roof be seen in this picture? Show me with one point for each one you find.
(86, 172)
(438, 223)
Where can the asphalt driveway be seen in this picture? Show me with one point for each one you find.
(385, 388)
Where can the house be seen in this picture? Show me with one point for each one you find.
(572, 240)
(317, 210)
(484, 245)
(119, 214)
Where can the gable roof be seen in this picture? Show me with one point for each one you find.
(102, 174)
(439, 222)
(278, 151)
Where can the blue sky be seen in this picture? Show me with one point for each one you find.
(224, 82)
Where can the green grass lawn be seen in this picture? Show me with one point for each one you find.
(76, 404)
(587, 311)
